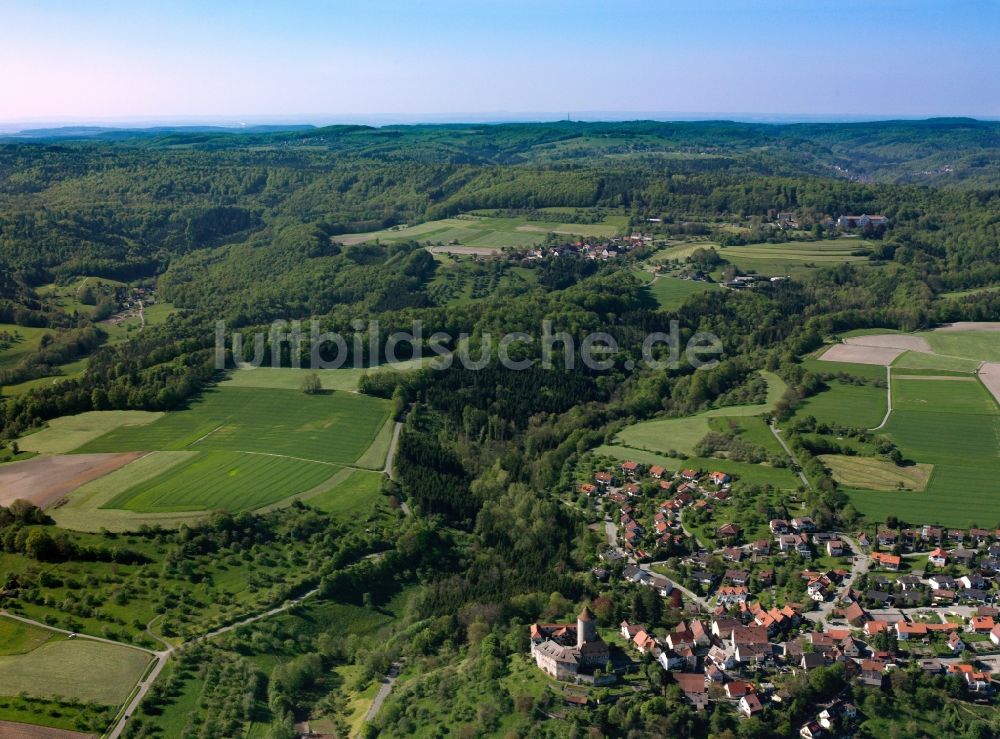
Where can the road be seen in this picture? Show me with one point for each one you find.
(859, 566)
(888, 411)
(795, 461)
(702, 602)
(390, 457)
(384, 688)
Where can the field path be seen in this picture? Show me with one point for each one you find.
(888, 406)
(391, 454)
(788, 451)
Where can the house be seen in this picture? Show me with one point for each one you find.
(811, 730)
(886, 538)
(629, 468)
(942, 582)
(955, 643)
(907, 629)
(748, 635)
(838, 712)
(871, 673)
(778, 526)
(691, 684)
(887, 561)
(670, 660)
(834, 548)
(737, 688)
(963, 556)
(721, 658)
(604, 479)
(938, 557)
(761, 547)
(644, 642)
(730, 595)
(718, 478)
(628, 630)
(910, 582)
(855, 615)
(973, 581)
(931, 533)
(736, 577)
(750, 705)
(803, 524)
(982, 624)
(995, 635)
(588, 489)
(656, 472)
(633, 489)
(812, 660)
(874, 627)
(689, 474)
(862, 221)
(753, 654)
(729, 531)
(878, 598)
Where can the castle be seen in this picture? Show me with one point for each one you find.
(567, 651)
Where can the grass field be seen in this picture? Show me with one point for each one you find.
(490, 232)
(231, 481)
(956, 427)
(25, 341)
(17, 637)
(847, 405)
(876, 474)
(794, 256)
(74, 668)
(286, 378)
(752, 429)
(337, 427)
(867, 371)
(671, 292)
(923, 361)
(68, 433)
(977, 345)
(662, 435)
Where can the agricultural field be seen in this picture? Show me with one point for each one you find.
(861, 406)
(60, 667)
(229, 481)
(336, 427)
(671, 292)
(345, 379)
(911, 360)
(66, 434)
(954, 426)
(794, 257)
(976, 345)
(877, 474)
(487, 231)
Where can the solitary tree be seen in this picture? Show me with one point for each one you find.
(311, 384)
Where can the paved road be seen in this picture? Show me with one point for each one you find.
(383, 691)
(859, 566)
(888, 411)
(795, 461)
(702, 602)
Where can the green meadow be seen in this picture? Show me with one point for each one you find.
(671, 292)
(954, 425)
(794, 257)
(846, 405)
(977, 345)
(327, 427)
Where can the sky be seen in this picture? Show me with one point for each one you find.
(231, 61)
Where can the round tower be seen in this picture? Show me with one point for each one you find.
(586, 628)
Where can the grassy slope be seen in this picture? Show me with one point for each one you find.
(66, 434)
(671, 292)
(977, 345)
(848, 405)
(17, 637)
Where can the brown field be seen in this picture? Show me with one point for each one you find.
(891, 341)
(970, 326)
(861, 354)
(14, 730)
(45, 480)
(989, 375)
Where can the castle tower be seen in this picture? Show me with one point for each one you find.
(586, 628)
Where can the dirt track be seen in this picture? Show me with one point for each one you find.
(13, 730)
(45, 480)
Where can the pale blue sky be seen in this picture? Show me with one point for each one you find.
(316, 61)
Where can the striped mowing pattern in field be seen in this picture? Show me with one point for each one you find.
(223, 480)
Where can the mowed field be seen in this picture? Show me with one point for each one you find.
(954, 425)
(794, 256)
(336, 427)
(844, 404)
(52, 665)
(671, 292)
(490, 232)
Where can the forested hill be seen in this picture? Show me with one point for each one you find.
(941, 151)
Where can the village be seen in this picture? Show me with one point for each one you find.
(898, 598)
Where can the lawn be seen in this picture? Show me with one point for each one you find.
(846, 405)
(65, 434)
(330, 427)
(231, 481)
(956, 427)
(671, 292)
(876, 474)
(74, 668)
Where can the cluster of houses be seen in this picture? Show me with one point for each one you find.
(790, 220)
(591, 249)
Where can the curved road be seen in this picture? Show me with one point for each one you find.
(888, 412)
(788, 451)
